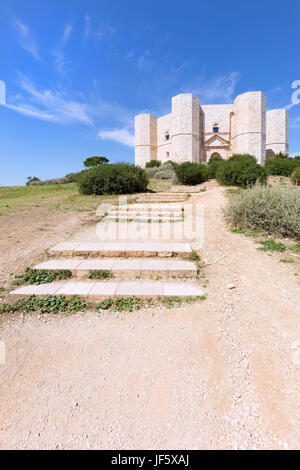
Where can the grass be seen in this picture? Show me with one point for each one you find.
(41, 276)
(287, 260)
(100, 274)
(237, 230)
(296, 247)
(159, 185)
(193, 256)
(272, 245)
(54, 196)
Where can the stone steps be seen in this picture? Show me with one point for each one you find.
(122, 249)
(162, 197)
(128, 267)
(95, 291)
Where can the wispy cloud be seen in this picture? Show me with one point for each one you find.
(95, 29)
(60, 61)
(220, 88)
(58, 106)
(25, 36)
(49, 105)
(121, 135)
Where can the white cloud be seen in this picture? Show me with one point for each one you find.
(87, 25)
(97, 31)
(60, 61)
(60, 107)
(49, 105)
(121, 135)
(25, 35)
(220, 88)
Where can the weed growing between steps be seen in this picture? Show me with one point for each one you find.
(122, 304)
(61, 304)
(100, 274)
(41, 276)
(48, 304)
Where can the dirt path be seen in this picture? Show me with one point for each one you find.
(220, 374)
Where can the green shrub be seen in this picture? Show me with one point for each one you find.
(151, 172)
(73, 177)
(118, 178)
(281, 165)
(274, 209)
(191, 173)
(240, 170)
(213, 165)
(153, 163)
(163, 172)
(295, 177)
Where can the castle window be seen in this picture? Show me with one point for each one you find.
(216, 128)
(167, 135)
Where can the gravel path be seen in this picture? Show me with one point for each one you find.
(223, 373)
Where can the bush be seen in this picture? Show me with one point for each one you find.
(153, 163)
(281, 165)
(241, 170)
(213, 165)
(163, 172)
(118, 178)
(52, 181)
(274, 209)
(191, 173)
(295, 177)
(73, 177)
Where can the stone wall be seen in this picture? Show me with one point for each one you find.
(250, 125)
(183, 134)
(277, 131)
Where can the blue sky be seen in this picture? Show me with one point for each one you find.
(77, 72)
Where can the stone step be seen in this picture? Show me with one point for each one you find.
(144, 267)
(122, 249)
(162, 197)
(98, 290)
(146, 213)
(168, 207)
(144, 218)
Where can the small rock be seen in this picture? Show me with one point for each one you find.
(231, 286)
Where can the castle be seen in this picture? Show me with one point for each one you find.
(194, 132)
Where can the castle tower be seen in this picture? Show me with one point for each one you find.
(145, 138)
(277, 132)
(250, 125)
(185, 128)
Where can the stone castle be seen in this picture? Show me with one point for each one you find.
(194, 132)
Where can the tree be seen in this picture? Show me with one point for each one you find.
(95, 161)
(30, 179)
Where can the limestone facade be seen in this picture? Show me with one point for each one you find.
(194, 132)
